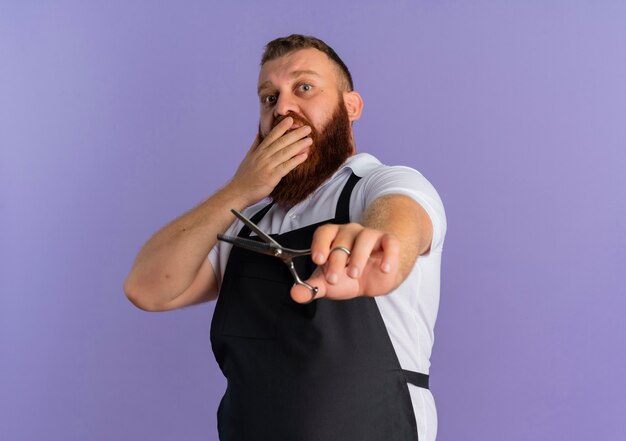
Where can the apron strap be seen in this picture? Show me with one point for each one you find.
(416, 378)
(342, 215)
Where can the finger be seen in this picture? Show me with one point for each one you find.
(336, 264)
(290, 164)
(289, 151)
(347, 288)
(302, 294)
(255, 143)
(287, 139)
(320, 246)
(338, 259)
(391, 253)
(367, 241)
(278, 131)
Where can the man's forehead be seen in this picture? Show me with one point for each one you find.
(307, 61)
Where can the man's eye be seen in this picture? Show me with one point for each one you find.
(270, 99)
(305, 87)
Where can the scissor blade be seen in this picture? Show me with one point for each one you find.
(254, 228)
(249, 244)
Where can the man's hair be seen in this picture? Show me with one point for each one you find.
(284, 45)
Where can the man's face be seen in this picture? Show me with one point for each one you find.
(303, 85)
(303, 82)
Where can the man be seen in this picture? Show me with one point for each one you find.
(352, 363)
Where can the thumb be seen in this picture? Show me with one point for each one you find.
(255, 143)
(302, 294)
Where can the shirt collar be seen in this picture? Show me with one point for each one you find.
(359, 163)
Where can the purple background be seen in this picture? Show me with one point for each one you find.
(116, 116)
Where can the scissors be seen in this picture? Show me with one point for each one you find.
(269, 247)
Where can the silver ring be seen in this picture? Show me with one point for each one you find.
(341, 248)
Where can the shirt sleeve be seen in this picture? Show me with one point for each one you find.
(406, 181)
(214, 260)
(218, 256)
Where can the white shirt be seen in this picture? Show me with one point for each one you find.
(409, 312)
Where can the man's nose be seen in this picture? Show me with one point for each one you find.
(286, 103)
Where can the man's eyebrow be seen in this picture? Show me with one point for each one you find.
(264, 85)
(295, 73)
(298, 73)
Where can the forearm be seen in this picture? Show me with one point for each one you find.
(405, 219)
(170, 260)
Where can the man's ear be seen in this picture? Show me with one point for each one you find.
(354, 105)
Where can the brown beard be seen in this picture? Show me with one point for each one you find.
(331, 147)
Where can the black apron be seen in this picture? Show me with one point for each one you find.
(322, 371)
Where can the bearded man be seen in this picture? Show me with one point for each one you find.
(352, 363)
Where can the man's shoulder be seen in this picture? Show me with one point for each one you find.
(366, 165)
(374, 173)
(378, 180)
(363, 164)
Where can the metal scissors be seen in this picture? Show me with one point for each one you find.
(269, 247)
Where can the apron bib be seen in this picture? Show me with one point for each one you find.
(322, 371)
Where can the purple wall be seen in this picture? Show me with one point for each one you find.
(117, 116)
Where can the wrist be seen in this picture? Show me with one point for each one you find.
(235, 197)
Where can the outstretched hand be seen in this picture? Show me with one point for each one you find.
(371, 268)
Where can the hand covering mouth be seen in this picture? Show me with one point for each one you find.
(293, 127)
